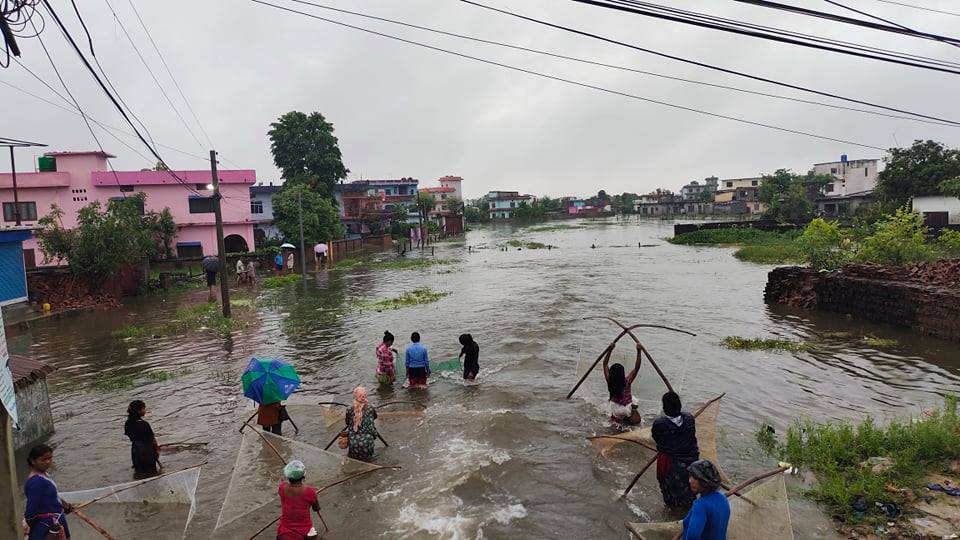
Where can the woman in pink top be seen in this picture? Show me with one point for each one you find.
(386, 372)
(296, 502)
(622, 408)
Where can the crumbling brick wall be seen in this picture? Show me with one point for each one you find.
(921, 297)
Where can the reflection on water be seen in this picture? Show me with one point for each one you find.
(505, 457)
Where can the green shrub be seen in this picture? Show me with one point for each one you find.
(899, 239)
(950, 242)
(823, 245)
(276, 282)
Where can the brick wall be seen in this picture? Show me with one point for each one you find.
(872, 292)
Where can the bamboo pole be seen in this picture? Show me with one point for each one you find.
(639, 474)
(93, 525)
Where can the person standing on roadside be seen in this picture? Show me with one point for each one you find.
(290, 262)
(278, 263)
(417, 362)
(211, 266)
(320, 254)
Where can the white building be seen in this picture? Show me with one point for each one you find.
(856, 176)
(732, 184)
(938, 210)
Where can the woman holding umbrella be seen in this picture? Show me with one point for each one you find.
(268, 382)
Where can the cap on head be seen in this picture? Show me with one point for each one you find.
(295, 470)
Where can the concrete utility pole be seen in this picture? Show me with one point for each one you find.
(224, 282)
(303, 257)
(16, 198)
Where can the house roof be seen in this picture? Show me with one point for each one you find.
(100, 153)
(26, 370)
(264, 190)
(441, 189)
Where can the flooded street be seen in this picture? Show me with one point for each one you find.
(506, 457)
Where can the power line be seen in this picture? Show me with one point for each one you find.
(170, 73)
(704, 64)
(618, 67)
(881, 19)
(955, 14)
(104, 126)
(697, 19)
(110, 96)
(152, 75)
(848, 20)
(570, 81)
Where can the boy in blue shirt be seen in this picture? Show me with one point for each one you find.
(708, 518)
(417, 362)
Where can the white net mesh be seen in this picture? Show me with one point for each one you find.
(258, 471)
(763, 512)
(160, 507)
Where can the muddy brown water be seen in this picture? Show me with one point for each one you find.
(505, 457)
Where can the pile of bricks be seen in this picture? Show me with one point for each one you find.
(65, 292)
(924, 297)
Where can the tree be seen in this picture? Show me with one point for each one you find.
(822, 245)
(787, 195)
(476, 215)
(706, 196)
(426, 202)
(528, 212)
(918, 170)
(951, 187)
(307, 152)
(321, 221)
(107, 239)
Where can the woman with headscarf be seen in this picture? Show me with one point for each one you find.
(708, 518)
(676, 436)
(622, 408)
(296, 501)
(471, 357)
(361, 430)
(144, 450)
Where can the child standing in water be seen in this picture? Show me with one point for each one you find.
(44, 517)
(471, 357)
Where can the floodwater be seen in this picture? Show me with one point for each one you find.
(505, 457)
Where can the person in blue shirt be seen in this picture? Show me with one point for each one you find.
(278, 263)
(708, 518)
(417, 362)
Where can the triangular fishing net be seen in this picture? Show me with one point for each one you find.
(335, 415)
(706, 416)
(762, 513)
(160, 507)
(259, 470)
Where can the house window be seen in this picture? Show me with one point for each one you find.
(28, 211)
(866, 171)
(753, 183)
(729, 184)
(492, 205)
(201, 205)
(833, 170)
(256, 207)
(443, 197)
(189, 250)
(126, 189)
(512, 204)
(828, 188)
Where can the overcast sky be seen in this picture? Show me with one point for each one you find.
(405, 111)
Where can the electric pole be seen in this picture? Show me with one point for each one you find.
(420, 215)
(303, 259)
(224, 282)
(16, 199)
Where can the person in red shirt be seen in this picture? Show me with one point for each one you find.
(296, 501)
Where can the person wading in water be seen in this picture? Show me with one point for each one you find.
(471, 357)
(622, 408)
(386, 371)
(144, 450)
(676, 436)
(710, 515)
(44, 517)
(361, 430)
(296, 501)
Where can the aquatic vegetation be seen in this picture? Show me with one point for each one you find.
(276, 282)
(733, 235)
(112, 382)
(161, 376)
(774, 252)
(836, 335)
(552, 228)
(410, 263)
(528, 245)
(352, 263)
(131, 332)
(846, 458)
(423, 295)
(880, 343)
(761, 247)
(762, 344)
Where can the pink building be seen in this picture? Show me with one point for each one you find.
(80, 178)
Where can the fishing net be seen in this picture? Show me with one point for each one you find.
(447, 365)
(642, 440)
(160, 507)
(763, 512)
(334, 415)
(258, 471)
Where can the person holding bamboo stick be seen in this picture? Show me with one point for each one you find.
(45, 515)
(623, 409)
(296, 501)
(710, 514)
(676, 436)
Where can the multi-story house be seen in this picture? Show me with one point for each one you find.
(450, 218)
(261, 212)
(659, 203)
(853, 185)
(694, 191)
(73, 180)
(366, 205)
(501, 204)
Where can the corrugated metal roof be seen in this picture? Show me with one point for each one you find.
(26, 370)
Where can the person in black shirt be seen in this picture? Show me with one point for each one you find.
(676, 436)
(144, 451)
(471, 352)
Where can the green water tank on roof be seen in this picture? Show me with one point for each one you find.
(47, 164)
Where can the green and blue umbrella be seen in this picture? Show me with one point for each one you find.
(269, 381)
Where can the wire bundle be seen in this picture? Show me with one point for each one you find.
(15, 15)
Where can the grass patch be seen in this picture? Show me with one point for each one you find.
(416, 297)
(733, 235)
(109, 382)
(161, 376)
(761, 247)
(552, 228)
(352, 263)
(403, 263)
(838, 452)
(131, 332)
(836, 335)
(276, 282)
(880, 343)
(761, 344)
(520, 244)
(202, 316)
(780, 251)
